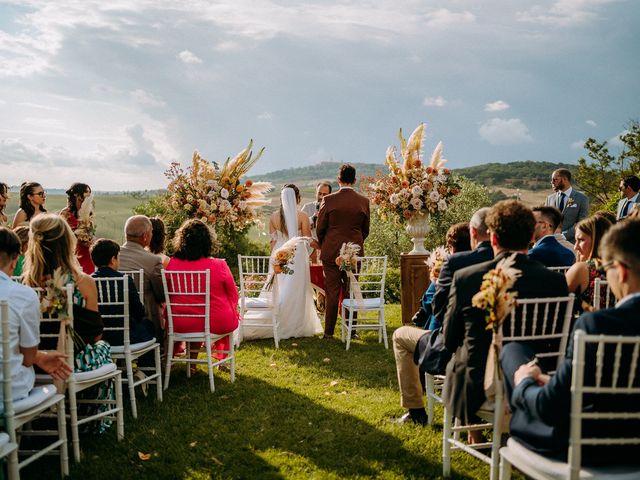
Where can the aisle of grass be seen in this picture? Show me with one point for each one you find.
(307, 410)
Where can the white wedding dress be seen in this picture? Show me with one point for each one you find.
(297, 314)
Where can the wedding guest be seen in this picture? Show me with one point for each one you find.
(629, 188)
(541, 405)
(547, 250)
(511, 226)
(158, 238)
(51, 250)
(76, 196)
(311, 209)
(23, 234)
(32, 199)
(410, 343)
(582, 275)
(105, 255)
(133, 256)
(24, 320)
(4, 198)
(573, 205)
(192, 251)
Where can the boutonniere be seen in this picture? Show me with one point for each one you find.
(571, 202)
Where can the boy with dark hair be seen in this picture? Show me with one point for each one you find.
(105, 256)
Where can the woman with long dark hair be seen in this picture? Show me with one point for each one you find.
(77, 194)
(4, 197)
(32, 199)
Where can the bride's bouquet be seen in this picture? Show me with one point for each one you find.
(282, 260)
(348, 258)
(86, 229)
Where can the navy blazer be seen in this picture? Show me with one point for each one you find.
(549, 252)
(541, 413)
(482, 253)
(140, 328)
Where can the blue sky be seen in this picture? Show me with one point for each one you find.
(109, 93)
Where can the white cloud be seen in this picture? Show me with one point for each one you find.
(265, 116)
(577, 145)
(147, 99)
(438, 101)
(615, 140)
(228, 46)
(591, 123)
(497, 106)
(564, 13)
(505, 132)
(188, 57)
(445, 18)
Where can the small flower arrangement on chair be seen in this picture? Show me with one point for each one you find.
(282, 260)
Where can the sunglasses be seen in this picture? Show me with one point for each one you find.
(40, 194)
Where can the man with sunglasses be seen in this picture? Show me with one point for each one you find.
(629, 187)
(541, 404)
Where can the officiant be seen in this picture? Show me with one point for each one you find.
(311, 209)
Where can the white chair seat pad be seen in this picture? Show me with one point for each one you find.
(134, 346)
(257, 302)
(4, 439)
(365, 303)
(518, 454)
(98, 372)
(36, 396)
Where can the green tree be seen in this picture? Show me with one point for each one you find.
(600, 173)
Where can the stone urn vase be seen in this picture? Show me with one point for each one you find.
(417, 228)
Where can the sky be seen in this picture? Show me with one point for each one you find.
(109, 93)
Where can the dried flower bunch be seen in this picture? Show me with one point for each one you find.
(411, 188)
(435, 261)
(86, 229)
(282, 258)
(348, 258)
(218, 195)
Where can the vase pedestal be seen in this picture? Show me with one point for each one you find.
(414, 280)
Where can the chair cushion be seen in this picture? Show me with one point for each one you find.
(4, 439)
(134, 346)
(518, 454)
(98, 372)
(257, 303)
(36, 396)
(366, 303)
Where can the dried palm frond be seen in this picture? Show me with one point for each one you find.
(437, 162)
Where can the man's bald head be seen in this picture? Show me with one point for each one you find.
(138, 229)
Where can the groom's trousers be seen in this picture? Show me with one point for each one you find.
(335, 281)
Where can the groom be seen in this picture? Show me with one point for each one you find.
(343, 217)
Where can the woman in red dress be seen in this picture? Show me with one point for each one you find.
(76, 195)
(192, 249)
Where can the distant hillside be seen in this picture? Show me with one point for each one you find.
(528, 174)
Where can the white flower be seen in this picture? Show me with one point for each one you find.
(404, 193)
(189, 198)
(224, 193)
(394, 199)
(203, 219)
(212, 183)
(416, 203)
(225, 205)
(442, 205)
(441, 178)
(242, 205)
(187, 207)
(436, 185)
(434, 196)
(416, 191)
(211, 194)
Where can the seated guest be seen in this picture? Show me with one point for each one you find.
(192, 251)
(23, 235)
(411, 342)
(511, 226)
(133, 256)
(547, 250)
(458, 240)
(24, 321)
(541, 404)
(104, 254)
(158, 237)
(582, 275)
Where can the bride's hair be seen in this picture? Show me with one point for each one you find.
(283, 223)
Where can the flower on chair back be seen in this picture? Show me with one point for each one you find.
(436, 260)
(348, 258)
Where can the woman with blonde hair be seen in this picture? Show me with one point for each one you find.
(51, 251)
(582, 274)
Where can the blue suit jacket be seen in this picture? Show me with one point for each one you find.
(482, 253)
(549, 252)
(541, 413)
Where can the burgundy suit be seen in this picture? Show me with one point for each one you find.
(343, 217)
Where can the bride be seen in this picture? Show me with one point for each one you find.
(296, 313)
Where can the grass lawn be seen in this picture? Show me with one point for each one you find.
(307, 410)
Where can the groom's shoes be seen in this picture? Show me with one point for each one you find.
(327, 337)
(414, 416)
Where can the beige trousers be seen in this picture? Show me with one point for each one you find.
(404, 342)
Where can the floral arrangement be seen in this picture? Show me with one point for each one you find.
(282, 258)
(218, 195)
(53, 298)
(494, 296)
(436, 260)
(86, 229)
(412, 188)
(348, 258)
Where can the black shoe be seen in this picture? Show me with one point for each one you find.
(327, 337)
(354, 336)
(411, 417)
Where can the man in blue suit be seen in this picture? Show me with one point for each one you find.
(541, 404)
(547, 249)
(630, 190)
